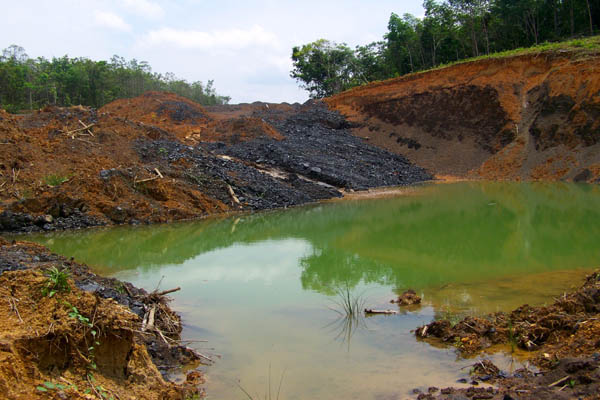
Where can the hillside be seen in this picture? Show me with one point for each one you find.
(160, 157)
(531, 116)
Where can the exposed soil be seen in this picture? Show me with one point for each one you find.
(160, 158)
(85, 342)
(563, 338)
(532, 117)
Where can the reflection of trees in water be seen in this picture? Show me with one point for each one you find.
(467, 232)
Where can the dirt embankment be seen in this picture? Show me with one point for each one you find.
(563, 341)
(159, 158)
(83, 337)
(523, 117)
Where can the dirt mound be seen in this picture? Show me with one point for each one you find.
(562, 339)
(553, 329)
(68, 333)
(72, 344)
(159, 158)
(523, 117)
(178, 115)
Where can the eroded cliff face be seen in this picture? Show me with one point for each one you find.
(531, 116)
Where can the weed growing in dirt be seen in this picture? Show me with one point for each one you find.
(53, 180)
(58, 281)
(48, 386)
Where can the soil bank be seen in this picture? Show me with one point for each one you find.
(531, 117)
(86, 341)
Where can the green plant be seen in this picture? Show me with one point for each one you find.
(58, 281)
(268, 395)
(511, 337)
(162, 150)
(54, 386)
(53, 180)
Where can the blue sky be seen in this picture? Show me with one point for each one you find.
(244, 46)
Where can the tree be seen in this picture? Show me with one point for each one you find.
(325, 68)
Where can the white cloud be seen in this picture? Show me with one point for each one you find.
(111, 21)
(144, 8)
(226, 39)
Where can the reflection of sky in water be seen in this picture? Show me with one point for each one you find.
(259, 287)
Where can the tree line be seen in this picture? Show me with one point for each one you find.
(451, 30)
(27, 83)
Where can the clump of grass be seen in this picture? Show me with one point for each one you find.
(269, 394)
(350, 315)
(58, 281)
(512, 340)
(54, 180)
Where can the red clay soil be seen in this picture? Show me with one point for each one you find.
(50, 165)
(187, 120)
(59, 342)
(523, 117)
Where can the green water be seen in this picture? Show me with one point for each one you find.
(260, 288)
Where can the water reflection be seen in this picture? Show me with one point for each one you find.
(446, 240)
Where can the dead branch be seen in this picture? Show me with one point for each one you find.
(13, 306)
(78, 130)
(232, 194)
(165, 292)
(158, 173)
(85, 126)
(371, 311)
(558, 382)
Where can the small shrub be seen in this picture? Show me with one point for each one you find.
(58, 281)
(53, 180)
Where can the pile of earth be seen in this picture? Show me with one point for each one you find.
(532, 117)
(160, 158)
(84, 339)
(563, 340)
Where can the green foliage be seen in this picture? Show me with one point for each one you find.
(53, 180)
(58, 281)
(27, 83)
(325, 68)
(449, 32)
(55, 386)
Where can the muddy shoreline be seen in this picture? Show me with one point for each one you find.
(561, 342)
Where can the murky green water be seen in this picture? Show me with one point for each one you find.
(260, 288)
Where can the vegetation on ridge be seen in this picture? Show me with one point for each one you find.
(450, 31)
(27, 83)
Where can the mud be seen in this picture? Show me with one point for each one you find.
(85, 341)
(562, 341)
(160, 158)
(530, 117)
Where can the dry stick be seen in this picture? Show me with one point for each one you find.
(150, 325)
(232, 194)
(13, 305)
(145, 180)
(78, 130)
(93, 388)
(165, 292)
(84, 125)
(371, 311)
(158, 173)
(558, 382)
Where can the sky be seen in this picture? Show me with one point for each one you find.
(244, 46)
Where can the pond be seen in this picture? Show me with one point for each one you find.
(262, 289)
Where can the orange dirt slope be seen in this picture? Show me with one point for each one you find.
(534, 116)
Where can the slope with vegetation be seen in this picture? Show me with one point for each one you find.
(529, 114)
(450, 31)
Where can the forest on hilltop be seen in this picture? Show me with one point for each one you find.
(27, 83)
(450, 31)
